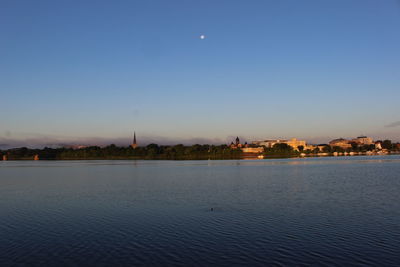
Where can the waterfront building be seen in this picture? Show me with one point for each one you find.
(294, 143)
(259, 149)
(378, 145)
(345, 144)
(363, 140)
(341, 142)
(267, 143)
(237, 144)
(249, 151)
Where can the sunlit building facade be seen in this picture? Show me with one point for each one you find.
(294, 143)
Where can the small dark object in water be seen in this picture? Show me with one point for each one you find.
(212, 209)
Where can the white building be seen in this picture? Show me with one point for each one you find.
(294, 143)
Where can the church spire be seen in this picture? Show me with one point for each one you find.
(134, 144)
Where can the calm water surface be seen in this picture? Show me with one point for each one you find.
(325, 211)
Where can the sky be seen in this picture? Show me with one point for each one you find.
(95, 71)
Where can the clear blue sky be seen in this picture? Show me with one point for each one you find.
(266, 69)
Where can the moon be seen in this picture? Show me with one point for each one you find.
(202, 37)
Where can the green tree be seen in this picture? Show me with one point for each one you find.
(354, 146)
(282, 147)
(337, 149)
(152, 150)
(387, 144)
(326, 149)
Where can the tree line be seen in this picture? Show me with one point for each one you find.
(151, 151)
(176, 152)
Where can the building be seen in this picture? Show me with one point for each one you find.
(134, 144)
(378, 145)
(363, 140)
(237, 144)
(345, 144)
(257, 150)
(249, 151)
(341, 142)
(294, 143)
(268, 143)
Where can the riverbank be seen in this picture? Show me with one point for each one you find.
(247, 157)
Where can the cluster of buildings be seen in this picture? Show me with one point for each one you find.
(359, 141)
(294, 143)
(258, 147)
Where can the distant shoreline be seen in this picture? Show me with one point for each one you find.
(205, 159)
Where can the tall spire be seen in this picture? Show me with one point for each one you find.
(134, 144)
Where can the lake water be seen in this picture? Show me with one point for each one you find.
(312, 211)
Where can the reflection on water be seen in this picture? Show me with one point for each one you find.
(310, 211)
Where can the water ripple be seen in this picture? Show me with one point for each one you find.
(321, 212)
